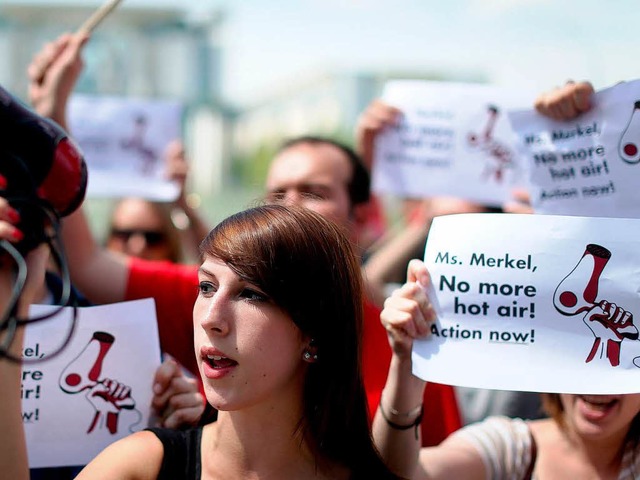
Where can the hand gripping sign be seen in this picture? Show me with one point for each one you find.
(577, 293)
(107, 396)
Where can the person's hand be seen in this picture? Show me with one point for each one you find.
(608, 320)
(9, 217)
(176, 397)
(53, 73)
(565, 103)
(36, 259)
(110, 396)
(443, 205)
(520, 203)
(187, 217)
(610, 325)
(377, 116)
(408, 313)
(176, 165)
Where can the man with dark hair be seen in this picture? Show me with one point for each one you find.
(359, 187)
(324, 176)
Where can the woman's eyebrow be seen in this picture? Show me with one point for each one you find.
(205, 272)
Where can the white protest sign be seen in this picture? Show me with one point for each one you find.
(589, 166)
(550, 310)
(97, 390)
(124, 141)
(452, 139)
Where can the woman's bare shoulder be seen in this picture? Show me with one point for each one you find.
(547, 435)
(136, 457)
(543, 428)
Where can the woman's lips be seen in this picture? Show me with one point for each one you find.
(215, 363)
(219, 361)
(596, 407)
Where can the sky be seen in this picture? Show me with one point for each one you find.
(536, 44)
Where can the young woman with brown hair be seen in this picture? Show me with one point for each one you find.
(277, 325)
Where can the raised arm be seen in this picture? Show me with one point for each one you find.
(376, 118)
(53, 74)
(195, 227)
(391, 254)
(100, 275)
(408, 314)
(13, 454)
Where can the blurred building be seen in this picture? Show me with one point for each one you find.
(149, 52)
(167, 52)
(323, 103)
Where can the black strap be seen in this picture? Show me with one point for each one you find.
(181, 457)
(396, 426)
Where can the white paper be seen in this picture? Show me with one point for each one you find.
(124, 141)
(62, 396)
(453, 139)
(519, 314)
(580, 167)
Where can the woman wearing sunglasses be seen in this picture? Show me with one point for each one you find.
(144, 229)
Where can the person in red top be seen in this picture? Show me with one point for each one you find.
(316, 173)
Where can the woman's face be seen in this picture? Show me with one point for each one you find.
(600, 416)
(248, 349)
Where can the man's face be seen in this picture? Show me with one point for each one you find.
(315, 177)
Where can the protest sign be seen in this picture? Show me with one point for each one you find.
(588, 166)
(97, 390)
(452, 139)
(552, 310)
(124, 141)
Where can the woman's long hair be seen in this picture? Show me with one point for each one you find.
(308, 267)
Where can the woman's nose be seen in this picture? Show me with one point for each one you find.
(292, 197)
(213, 313)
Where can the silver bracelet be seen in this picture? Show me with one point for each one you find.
(411, 413)
(415, 424)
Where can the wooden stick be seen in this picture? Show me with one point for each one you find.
(96, 18)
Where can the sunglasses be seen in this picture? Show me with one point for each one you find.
(151, 237)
